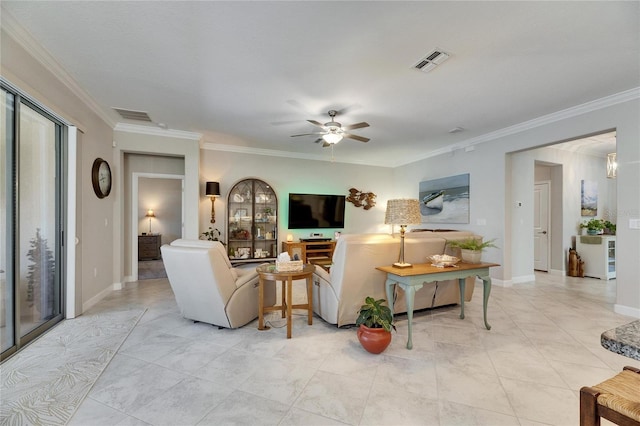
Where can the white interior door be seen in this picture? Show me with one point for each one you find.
(541, 226)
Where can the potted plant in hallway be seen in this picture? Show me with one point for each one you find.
(374, 325)
(594, 226)
(471, 249)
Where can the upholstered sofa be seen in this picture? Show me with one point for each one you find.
(338, 294)
(207, 287)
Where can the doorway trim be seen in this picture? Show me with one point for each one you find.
(134, 214)
(547, 184)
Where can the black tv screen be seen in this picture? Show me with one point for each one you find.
(311, 211)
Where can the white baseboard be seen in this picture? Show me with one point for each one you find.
(130, 279)
(95, 299)
(501, 283)
(626, 310)
(523, 279)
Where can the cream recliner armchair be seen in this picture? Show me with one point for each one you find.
(208, 288)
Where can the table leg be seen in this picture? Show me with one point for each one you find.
(310, 299)
(486, 281)
(389, 287)
(283, 296)
(410, 292)
(461, 283)
(289, 302)
(260, 304)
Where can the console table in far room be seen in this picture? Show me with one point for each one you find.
(412, 279)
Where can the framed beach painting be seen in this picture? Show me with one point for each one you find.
(445, 200)
(589, 198)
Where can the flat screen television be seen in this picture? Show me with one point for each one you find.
(315, 211)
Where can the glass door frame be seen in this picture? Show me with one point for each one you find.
(12, 230)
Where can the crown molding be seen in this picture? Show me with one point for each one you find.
(276, 153)
(40, 54)
(607, 101)
(155, 131)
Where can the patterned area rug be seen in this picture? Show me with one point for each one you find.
(45, 383)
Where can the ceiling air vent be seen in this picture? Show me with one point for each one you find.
(129, 114)
(431, 60)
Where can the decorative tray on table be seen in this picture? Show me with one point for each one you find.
(443, 261)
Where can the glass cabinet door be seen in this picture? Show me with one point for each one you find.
(252, 233)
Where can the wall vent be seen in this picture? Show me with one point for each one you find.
(129, 114)
(431, 60)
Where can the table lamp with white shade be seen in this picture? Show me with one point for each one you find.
(402, 212)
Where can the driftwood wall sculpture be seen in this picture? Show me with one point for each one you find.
(366, 200)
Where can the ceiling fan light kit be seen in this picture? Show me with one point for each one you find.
(333, 132)
(332, 137)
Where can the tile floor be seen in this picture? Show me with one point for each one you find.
(527, 370)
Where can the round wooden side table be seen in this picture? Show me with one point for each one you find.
(270, 273)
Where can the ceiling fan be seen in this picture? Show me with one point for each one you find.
(333, 132)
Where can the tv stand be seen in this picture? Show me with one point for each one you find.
(318, 252)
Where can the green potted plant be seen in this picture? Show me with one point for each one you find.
(609, 228)
(471, 249)
(374, 325)
(594, 226)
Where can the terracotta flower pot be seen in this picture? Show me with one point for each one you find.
(374, 340)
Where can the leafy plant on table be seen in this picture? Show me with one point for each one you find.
(473, 244)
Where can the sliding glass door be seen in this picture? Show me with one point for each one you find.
(7, 337)
(31, 252)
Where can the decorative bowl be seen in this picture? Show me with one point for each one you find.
(443, 260)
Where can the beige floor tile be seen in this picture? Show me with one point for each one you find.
(541, 403)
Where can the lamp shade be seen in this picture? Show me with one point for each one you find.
(213, 189)
(403, 212)
(150, 213)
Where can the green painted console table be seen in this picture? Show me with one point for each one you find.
(412, 279)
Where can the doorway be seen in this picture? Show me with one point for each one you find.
(157, 213)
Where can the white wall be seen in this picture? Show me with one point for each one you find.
(287, 175)
(492, 181)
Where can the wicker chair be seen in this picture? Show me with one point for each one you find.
(616, 399)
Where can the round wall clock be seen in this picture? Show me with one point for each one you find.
(101, 177)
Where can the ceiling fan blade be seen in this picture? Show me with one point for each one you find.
(316, 123)
(357, 126)
(318, 140)
(356, 137)
(308, 134)
(348, 108)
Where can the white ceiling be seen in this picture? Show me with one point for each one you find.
(247, 75)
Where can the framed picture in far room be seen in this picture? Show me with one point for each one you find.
(589, 198)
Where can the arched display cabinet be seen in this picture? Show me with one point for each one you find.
(252, 232)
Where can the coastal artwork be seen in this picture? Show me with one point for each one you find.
(445, 200)
(589, 198)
